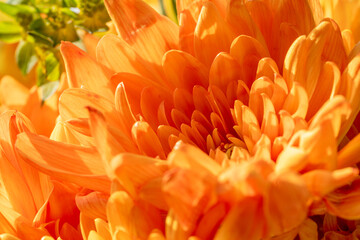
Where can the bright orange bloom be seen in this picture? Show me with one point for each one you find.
(241, 123)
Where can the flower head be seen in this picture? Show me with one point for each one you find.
(210, 130)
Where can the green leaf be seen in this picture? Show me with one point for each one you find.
(70, 13)
(169, 9)
(48, 89)
(40, 74)
(25, 57)
(36, 24)
(38, 38)
(70, 3)
(17, 2)
(48, 70)
(14, 10)
(10, 32)
(94, 19)
(52, 67)
(66, 33)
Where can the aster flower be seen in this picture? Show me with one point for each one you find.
(209, 130)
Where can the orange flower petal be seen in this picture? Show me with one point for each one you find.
(279, 93)
(221, 109)
(136, 220)
(351, 80)
(326, 88)
(147, 140)
(151, 99)
(348, 40)
(74, 103)
(349, 155)
(118, 210)
(320, 144)
(15, 185)
(7, 220)
(188, 201)
(42, 114)
(146, 218)
(54, 210)
(292, 15)
(9, 236)
(86, 225)
(83, 71)
(65, 132)
(344, 202)
(224, 70)
(151, 34)
(134, 171)
(295, 59)
(151, 192)
(123, 58)
(287, 193)
(156, 235)
(183, 70)
(134, 85)
(187, 25)
(202, 106)
(270, 122)
(123, 106)
(90, 41)
(121, 234)
(267, 67)
(291, 159)
(93, 204)
(173, 230)
(296, 103)
(59, 159)
(308, 230)
(335, 110)
(249, 123)
(109, 140)
(102, 228)
(183, 101)
(211, 221)
(95, 236)
(189, 157)
(322, 182)
(247, 51)
(262, 15)
(287, 125)
(164, 132)
(19, 178)
(212, 34)
(323, 44)
(241, 22)
(15, 98)
(182, 5)
(244, 221)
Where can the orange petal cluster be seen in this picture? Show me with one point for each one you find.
(240, 123)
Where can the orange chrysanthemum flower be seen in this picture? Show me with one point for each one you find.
(240, 123)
